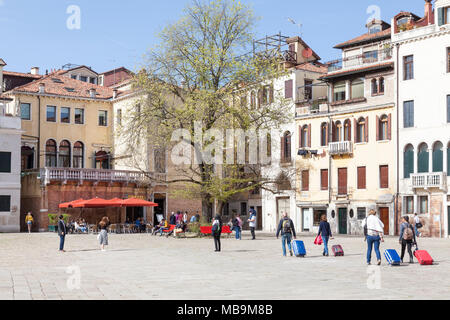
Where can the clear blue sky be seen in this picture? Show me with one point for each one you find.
(117, 33)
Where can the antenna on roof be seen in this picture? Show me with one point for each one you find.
(299, 25)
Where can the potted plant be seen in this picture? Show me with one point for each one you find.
(53, 221)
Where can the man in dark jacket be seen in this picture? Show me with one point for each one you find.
(62, 233)
(286, 227)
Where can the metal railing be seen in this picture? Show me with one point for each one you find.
(360, 60)
(341, 147)
(96, 175)
(429, 180)
(290, 56)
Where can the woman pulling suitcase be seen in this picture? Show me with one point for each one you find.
(407, 238)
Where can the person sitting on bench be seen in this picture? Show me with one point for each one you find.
(164, 227)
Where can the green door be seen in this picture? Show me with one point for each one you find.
(342, 220)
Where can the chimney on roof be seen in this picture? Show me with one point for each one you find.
(41, 87)
(429, 14)
(35, 71)
(93, 93)
(115, 91)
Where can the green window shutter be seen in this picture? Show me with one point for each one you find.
(448, 164)
(423, 162)
(438, 161)
(448, 108)
(440, 16)
(408, 163)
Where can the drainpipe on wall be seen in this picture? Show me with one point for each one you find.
(397, 196)
(39, 135)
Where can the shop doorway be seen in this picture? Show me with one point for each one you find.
(134, 213)
(159, 212)
(384, 217)
(259, 218)
(342, 220)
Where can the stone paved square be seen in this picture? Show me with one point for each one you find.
(147, 267)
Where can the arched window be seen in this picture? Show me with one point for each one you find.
(438, 157)
(50, 154)
(423, 159)
(64, 154)
(408, 161)
(324, 134)
(361, 130)
(383, 128)
(286, 147)
(102, 160)
(374, 86)
(78, 155)
(253, 99)
(381, 85)
(304, 140)
(338, 132)
(347, 130)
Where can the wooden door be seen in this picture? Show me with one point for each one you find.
(342, 181)
(384, 217)
(342, 221)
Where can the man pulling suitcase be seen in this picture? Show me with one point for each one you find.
(286, 227)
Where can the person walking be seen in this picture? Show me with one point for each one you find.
(325, 232)
(375, 230)
(173, 219)
(29, 221)
(407, 238)
(237, 226)
(61, 233)
(103, 235)
(417, 224)
(252, 222)
(286, 227)
(216, 232)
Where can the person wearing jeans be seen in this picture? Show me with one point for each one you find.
(252, 222)
(238, 227)
(286, 227)
(375, 229)
(62, 233)
(325, 232)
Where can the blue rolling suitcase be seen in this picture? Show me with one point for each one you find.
(392, 257)
(299, 248)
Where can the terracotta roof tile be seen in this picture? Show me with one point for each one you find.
(20, 74)
(364, 38)
(312, 67)
(356, 70)
(59, 85)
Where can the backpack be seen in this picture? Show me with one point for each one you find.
(408, 233)
(286, 226)
(235, 223)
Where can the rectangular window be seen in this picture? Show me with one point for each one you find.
(243, 208)
(119, 117)
(384, 177)
(324, 179)
(103, 118)
(361, 213)
(443, 16)
(288, 85)
(308, 89)
(305, 180)
(51, 113)
(83, 78)
(65, 115)
(358, 88)
(79, 116)
(408, 68)
(409, 205)
(5, 162)
(25, 111)
(339, 91)
(92, 80)
(74, 77)
(423, 204)
(5, 203)
(370, 56)
(361, 177)
(408, 114)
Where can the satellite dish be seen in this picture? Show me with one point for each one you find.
(307, 53)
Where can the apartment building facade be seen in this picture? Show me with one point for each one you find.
(347, 152)
(422, 53)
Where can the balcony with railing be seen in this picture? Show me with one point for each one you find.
(429, 180)
(362, 60)
(340, 148)
(64, 175)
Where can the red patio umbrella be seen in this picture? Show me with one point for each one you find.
(70, 204)
(132, 202)
(94, 203)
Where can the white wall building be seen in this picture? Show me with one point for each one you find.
(422, 51)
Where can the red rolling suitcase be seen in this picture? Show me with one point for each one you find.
(337, 250)
(424, 257)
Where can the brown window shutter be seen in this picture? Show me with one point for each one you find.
(327, 139)
(384, 177)
(366, 131)
(288, 89)
(271, 94)
(349, 133)
(282, 149)
(342, 181)
(389, 128)
(305, 180)
(309, 135)
(378, 128)
(355, 129)
(333, 132)
(324, 179)
(362, 178)
(300, 136)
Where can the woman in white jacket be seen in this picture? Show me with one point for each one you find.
(375, 230)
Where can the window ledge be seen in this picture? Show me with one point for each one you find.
(377, 94)
(361, 143)
(384, 141)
